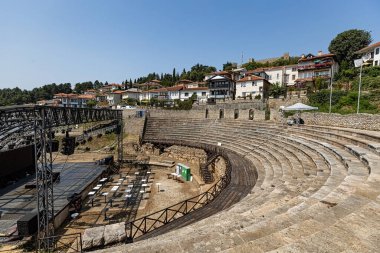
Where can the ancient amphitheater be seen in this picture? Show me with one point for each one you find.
(292, 189)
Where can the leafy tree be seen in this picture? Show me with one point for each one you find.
(276, 90)
(174, 75)
(91, 103)
(81, 87)
(345, 44)
(320, 84)
(97, 84)
(228, 66)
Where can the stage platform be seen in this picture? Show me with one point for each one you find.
(16, 201)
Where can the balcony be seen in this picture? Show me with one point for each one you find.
(219, 86)
(315, 66)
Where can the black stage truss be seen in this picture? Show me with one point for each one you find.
(22, 124)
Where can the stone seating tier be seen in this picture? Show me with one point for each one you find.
(293, 189)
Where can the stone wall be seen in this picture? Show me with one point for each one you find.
(213, 113)
(219, 169)
(359, 121)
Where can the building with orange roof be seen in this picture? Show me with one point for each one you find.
(74, 100)
(114, 97)
(252, 86)
(312, 66)
(133, 93)
(153, 84)
(111, 87)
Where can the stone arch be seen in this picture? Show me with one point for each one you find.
(251, 114)
(236, 113)
(221, 113)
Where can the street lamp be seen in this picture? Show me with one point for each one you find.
(360, 83)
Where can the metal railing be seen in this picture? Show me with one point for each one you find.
(65, 243)
(160, 218)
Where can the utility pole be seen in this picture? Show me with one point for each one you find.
(360, 84)
(330, 89)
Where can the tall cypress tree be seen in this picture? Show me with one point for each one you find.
(174, 76)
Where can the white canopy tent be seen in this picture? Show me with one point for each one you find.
(299, 107)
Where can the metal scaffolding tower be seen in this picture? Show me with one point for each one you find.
(44, 179)
(19, 121)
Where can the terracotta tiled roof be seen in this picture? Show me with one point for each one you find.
(118, 91)
(185, 81)
(132, 91)
(316, 57)
(64, 95)
(250, 78)
(196, 88)
(175, 88)
(87, 96)
(368, 48)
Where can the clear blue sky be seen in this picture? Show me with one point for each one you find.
(83, 40)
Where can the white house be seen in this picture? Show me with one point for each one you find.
(252, 85)
(114, 98)
(201, 92)
(275, 74)
(174, 92)
(74, 100)
(374, 51)
(132, 93)
(290, 75)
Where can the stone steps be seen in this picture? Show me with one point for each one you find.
(317, 189)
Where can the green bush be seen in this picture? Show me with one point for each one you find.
(368, 83)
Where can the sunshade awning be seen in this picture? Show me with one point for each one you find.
(300, 107)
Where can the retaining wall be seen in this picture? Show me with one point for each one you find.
(358, 121)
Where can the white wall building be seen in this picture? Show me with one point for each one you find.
(374, 51)
(114, 98)
(251, 85)
(201, 92)
(74, 100)
(275, 74)
(132, 93)
(290, 75)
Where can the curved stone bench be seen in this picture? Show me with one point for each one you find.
(332, 198)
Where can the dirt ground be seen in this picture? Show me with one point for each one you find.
(93, 212)
(160, 192)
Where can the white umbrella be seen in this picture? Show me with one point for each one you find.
(300, 107)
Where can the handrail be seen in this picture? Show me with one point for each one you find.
(57, 243)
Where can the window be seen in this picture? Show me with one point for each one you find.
(261, 89)
(243, 85)
(293, 77)
(254, 84)
(294, 69)
(186, 94)
(278, 76)
(377, 50)
(269, 77)
(377, 63)
(203, 93)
